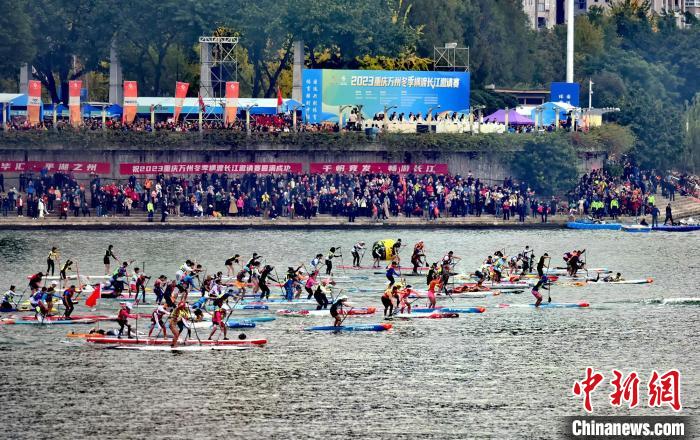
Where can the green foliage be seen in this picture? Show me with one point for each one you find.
(15, 34)
(548, 163)
(691, 137)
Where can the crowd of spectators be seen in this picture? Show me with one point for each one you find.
(375, 196)
(601, 194)
(258, 123)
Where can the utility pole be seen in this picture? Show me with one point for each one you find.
(570, 41)
(590, 93)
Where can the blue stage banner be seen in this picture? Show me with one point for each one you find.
(565, 92)
(326, 91)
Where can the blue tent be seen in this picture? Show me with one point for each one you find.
(549, 110)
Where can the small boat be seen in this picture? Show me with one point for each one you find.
(678, 228)
(593, 225)
(636, 228)
(350, 328)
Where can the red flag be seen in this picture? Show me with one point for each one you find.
(279, 100)
(91, 300)
(34, 102)
(202, 106)
(180, 93)
(231, 102)
(130, 101)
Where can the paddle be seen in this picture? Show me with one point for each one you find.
(346, 316)
(549, 289)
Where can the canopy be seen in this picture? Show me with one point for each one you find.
(549, 110)
(190, 106)
(514, 118)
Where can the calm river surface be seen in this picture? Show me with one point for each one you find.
(506, 373)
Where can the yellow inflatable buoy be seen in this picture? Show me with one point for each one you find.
(382, 249)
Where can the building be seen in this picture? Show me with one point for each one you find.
(545, 14)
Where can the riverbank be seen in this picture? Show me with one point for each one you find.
(319, 222)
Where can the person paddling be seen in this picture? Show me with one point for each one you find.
(68, 303)
(107, 259)
(218, 320)
(542, 283)
(157, 320)
(391, 273)
(356, 249)
(337, 308)
(123, 319)
(230, 271)
(329, 260)
(262, 281)
(7, 298)
(543, 261)
(435, 285)
(418, 257)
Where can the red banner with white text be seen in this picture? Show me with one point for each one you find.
(385, 168)
(130, 95)
(128, 169)
(34, 102)
(231, 102)
(14, 166)
(180, 94)
(74, 102)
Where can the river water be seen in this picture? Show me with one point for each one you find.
(506, 373)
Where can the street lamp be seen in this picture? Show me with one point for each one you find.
(386, 110)
(294, 116)
(247, 117)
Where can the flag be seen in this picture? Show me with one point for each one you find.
(231, 105)
(91, 300)
(34, 102)
(202, 106)
(130, 94)
(74, 102)
(279, 100)
(180, 93)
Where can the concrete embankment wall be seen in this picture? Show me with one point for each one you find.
(491, 167)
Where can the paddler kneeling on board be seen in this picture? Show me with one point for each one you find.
(335, 313)
(123, 319)
(7, 298)
(542, 283)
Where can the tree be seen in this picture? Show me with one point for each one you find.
(16, 35)
(548, 163)
(691, 136)
(70, 37)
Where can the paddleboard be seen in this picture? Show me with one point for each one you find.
(180, 348)
(546, 305)
(350, 328)
(168, 341)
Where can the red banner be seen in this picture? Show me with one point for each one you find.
(128, 169)
(180, 94)
(34, 101)
(231, 102)
(13, 166)
(130, 95)
(74, 102)
(385, 168)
